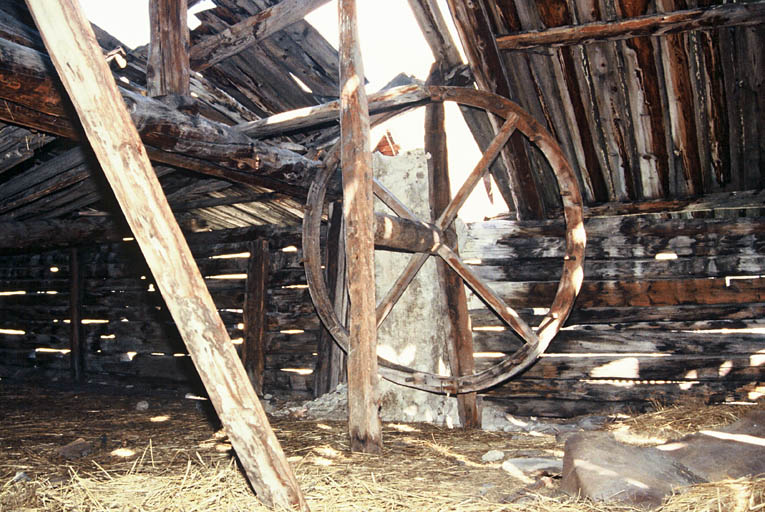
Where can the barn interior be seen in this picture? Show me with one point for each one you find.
(640, 123)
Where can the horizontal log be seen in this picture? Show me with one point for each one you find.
(649, 342)
(403, 97)
(639, 293)
(650, 25)
(27, 79)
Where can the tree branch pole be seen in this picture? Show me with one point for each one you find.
(356, 161)
(115, 141)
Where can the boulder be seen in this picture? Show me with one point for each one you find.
(597, 466)
(727, 452)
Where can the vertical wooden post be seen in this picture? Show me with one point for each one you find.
(167, 70)
(356, 160)
(330, 365)
(461, 350)
(255, 297)
(72, 46)
(76, 354)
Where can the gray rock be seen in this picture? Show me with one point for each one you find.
(522, 467)
(493, 456)
(143, 405)
(728, 452)
(76, 449)
(597, 466)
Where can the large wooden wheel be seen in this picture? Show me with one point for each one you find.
(430, 241)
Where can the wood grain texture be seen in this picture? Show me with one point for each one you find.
(117, 145)
(254, 346)
(167, 71)
(356, 161)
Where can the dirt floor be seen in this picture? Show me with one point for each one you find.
(173, 456)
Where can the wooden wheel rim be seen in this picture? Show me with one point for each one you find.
(568, 287)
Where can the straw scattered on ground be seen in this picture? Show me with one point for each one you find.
(173, 457)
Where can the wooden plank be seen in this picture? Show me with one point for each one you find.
(76, 342)
(518, 187)
(167, 70)
(461, 339)
(117, 145)
(675, 59)
(649, 25)
(256, 295)
(331, 360)
(356, 161)
(248, 32)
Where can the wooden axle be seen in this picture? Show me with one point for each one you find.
(400, 234)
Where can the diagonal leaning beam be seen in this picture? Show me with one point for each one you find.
(115, 141)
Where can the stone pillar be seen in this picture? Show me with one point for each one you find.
(417, 329)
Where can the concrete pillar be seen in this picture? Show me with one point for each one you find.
(417, 329)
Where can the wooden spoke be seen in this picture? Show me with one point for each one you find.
(480, 169)
(392, 202)
(481, 289)
(399, 287)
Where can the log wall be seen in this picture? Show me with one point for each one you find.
(643, 328)
(128, 334)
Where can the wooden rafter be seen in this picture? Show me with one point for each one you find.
(117, 145)
(213, 49)
(649, 25)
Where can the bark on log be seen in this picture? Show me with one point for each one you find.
(248, 32)
(167, 70)
(356, 160)
(87, 79)
(651, 25)
(35, 98)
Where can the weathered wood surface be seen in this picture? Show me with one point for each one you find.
(167, 71)
(35, 99)
(71, 42)
(709, 18)
(330, 368)
(254, 316)
(518, 186)
(76, 343)
(356, 161)
(460, 344)
(248, 32)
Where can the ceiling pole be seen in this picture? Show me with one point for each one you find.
(356, 161)
(167, 69)
(115, 141)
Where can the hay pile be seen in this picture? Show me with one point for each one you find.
(183, 463)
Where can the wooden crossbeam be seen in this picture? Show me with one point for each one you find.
(213, 49)
(117, 145)
(725, 15)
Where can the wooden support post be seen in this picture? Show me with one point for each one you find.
(167, 69)
(77, 354)
(461, 349)
(115, 141)
(356, 160)
(255, 297)
(331, 361)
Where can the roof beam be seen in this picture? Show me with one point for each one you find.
(213, 49)
(35, 99)
(650, 25)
